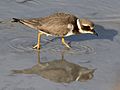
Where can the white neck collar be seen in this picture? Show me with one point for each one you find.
(78, 24)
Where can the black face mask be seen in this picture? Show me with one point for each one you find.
(87, 28)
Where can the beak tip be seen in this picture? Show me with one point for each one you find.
(96, 34)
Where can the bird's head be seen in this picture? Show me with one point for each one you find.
(86, 26)
(85, 74)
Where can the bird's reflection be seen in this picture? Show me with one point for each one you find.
(60, 71)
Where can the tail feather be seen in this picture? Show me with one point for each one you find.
(15, 20)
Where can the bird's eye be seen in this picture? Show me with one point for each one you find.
(86, 28)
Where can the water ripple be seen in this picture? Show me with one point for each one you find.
(24, 44)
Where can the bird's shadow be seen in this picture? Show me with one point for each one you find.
(103, 33)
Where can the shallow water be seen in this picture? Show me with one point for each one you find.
(100, 53)
(59, 71)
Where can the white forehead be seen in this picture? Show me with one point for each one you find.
(91, 27)
(84, 24)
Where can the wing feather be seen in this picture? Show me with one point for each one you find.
(56, 24)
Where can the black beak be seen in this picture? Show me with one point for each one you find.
(95, 33)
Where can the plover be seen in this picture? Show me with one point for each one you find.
(58, 24)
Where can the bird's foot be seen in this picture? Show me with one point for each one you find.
(67, 47)
(64, 43)
(42, 66)
(37, 46)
